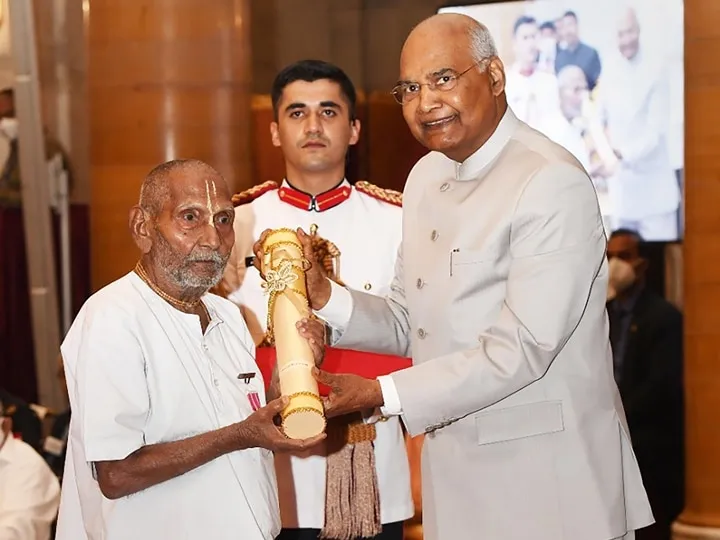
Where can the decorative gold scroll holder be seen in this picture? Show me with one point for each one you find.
(283, 266)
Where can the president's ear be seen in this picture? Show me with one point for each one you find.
(496, 73)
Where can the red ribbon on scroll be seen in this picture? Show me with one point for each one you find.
(365, 364)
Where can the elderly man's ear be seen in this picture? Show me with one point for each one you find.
(140, 229)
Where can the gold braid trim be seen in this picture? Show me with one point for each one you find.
(285, 413)
(253, 193)
(349, 429)
(376, 192)
(360, 432)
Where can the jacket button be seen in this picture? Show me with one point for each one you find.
(445, 186)
(420, 283)
(434, 235)
(421, 333)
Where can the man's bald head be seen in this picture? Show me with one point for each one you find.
(455, 28)
(573, 89)
(628, 33)
(570, 75)
(155, 191)
(627, 18)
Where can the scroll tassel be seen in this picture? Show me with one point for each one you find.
(352, 504)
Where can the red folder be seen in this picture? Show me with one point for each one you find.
(365, 364)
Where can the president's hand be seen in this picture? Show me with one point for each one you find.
(318, 284)
(260, 431)
(349, 393)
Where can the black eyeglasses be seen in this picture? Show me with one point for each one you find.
(444, 81)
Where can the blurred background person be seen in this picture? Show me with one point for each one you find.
(29, 491)
(634, 95)
(578, 128)
(573, 52)
(10, 180)
(547, 47)
(646, 333)
(531, 93)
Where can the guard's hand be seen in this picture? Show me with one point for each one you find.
(258, 251)
(349, 393)
(314, 331)
(260, 431)
(317, 282)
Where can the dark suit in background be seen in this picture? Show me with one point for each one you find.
(646, 334)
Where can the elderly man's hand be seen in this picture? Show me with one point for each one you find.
(259, 430)
(349, 393)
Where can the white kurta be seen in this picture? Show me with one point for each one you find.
(29, 493)
(534, 97)
(140, 372)
(559, 130)
(367, 232)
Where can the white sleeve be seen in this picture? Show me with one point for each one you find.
(338, 310)
(392, 406)
(647, 140)
(111, 393)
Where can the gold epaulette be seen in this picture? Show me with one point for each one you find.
(382, 194)
(253, 193)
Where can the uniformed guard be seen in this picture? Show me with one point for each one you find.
(357, 232)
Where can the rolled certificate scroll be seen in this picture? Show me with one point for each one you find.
(283, 269)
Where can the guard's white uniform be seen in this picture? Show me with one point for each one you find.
(367, 232)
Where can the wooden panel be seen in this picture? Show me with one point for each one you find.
(268, 163)
(165, 80)
(702, 263)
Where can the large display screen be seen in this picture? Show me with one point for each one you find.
(605, 80)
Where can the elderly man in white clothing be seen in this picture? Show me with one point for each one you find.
(169, 437)
(29, 491)
(578, 127)
(499, 295)
(315, 123)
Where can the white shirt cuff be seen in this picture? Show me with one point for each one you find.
(392, 406)
(338, 310)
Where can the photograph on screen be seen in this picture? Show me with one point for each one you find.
(605, 81)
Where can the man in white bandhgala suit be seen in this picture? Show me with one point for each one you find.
(499, 296)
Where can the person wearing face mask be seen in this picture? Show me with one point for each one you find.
(646, 338)
(10, 180)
